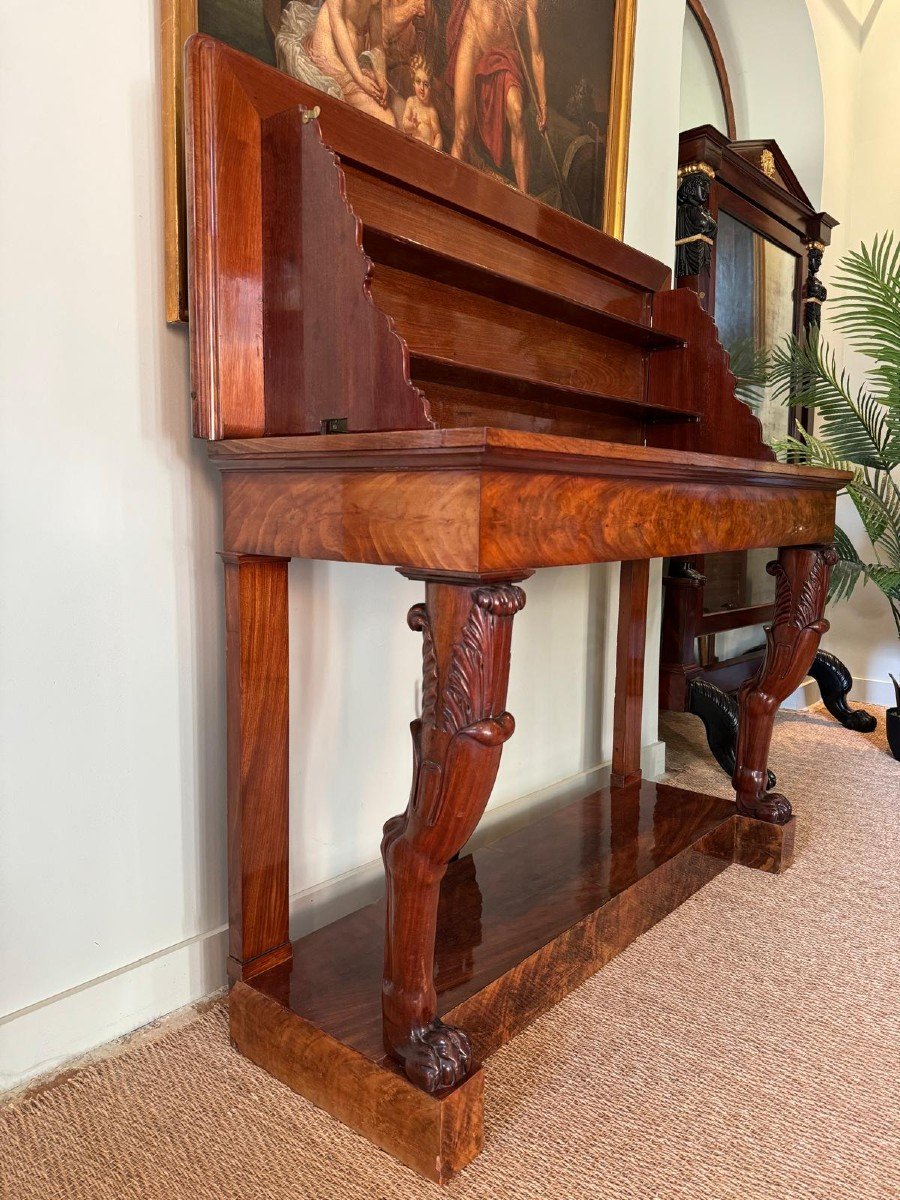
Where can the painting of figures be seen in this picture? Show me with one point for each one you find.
(518, 88)
(535, 93)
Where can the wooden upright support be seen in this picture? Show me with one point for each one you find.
(630, 647)
(256, 622)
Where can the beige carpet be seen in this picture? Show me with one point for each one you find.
(746, 1047)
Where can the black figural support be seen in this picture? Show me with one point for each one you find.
(834, 682)
(695, 226)
(719, 713)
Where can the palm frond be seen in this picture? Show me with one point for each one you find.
(806, 374)
(848, 569)
(886, 578)
(750, 366)
(806, 447)
(883, 502)
(857, 430)
(866, 308)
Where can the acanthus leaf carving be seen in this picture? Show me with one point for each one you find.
(806, 611)
(470, 684)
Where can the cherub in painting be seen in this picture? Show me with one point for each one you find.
(420, 117)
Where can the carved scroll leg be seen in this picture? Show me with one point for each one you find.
(835, 681)
(801, 587)
(466, 629)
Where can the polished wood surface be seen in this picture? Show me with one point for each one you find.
(256, 624)
(763, 845)
(314, 289)
(256, 166)
(682, 610)
(630, 648)
(466, 630)
(435, 1137)
(495, 500)
(521, 923)
(476, 500)
(500, 521)
(510, 900)
(702, 374)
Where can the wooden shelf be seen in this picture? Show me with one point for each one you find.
(406, 255)
(507, 901)
(430, 368)
(522, 922)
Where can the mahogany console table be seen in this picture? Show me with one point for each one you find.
(398, 360)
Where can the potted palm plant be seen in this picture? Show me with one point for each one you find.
(893, 721)
(857, 429)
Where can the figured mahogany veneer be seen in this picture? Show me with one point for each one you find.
(481, 500)
(399, 360)
(520, 924)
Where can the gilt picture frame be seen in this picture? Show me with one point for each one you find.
(535, 92)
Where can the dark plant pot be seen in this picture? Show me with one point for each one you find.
(893, 731)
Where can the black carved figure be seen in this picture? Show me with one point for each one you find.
(719, 712)
(814, 291)
(695, 226)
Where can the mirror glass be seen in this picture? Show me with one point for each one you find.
(755, 311)
(755, 306)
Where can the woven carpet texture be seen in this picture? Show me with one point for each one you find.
(746, 1047)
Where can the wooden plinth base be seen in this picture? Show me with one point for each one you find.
(522, 922)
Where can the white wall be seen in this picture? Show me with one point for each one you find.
(858, 49)
(701, 94)
(112, 865)
(773, 69)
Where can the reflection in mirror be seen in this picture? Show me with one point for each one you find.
(755, 310)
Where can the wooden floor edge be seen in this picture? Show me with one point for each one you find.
(435, 1136)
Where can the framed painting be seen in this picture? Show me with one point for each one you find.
(536, 93)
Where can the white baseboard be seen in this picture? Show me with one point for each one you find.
(43, 1037)
(864, 691)
(805, 696)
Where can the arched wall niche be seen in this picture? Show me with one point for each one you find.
(705, 88)
(776, 86)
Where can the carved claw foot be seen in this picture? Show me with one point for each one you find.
(859, 721)
(773, 807)
(436, 1057)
